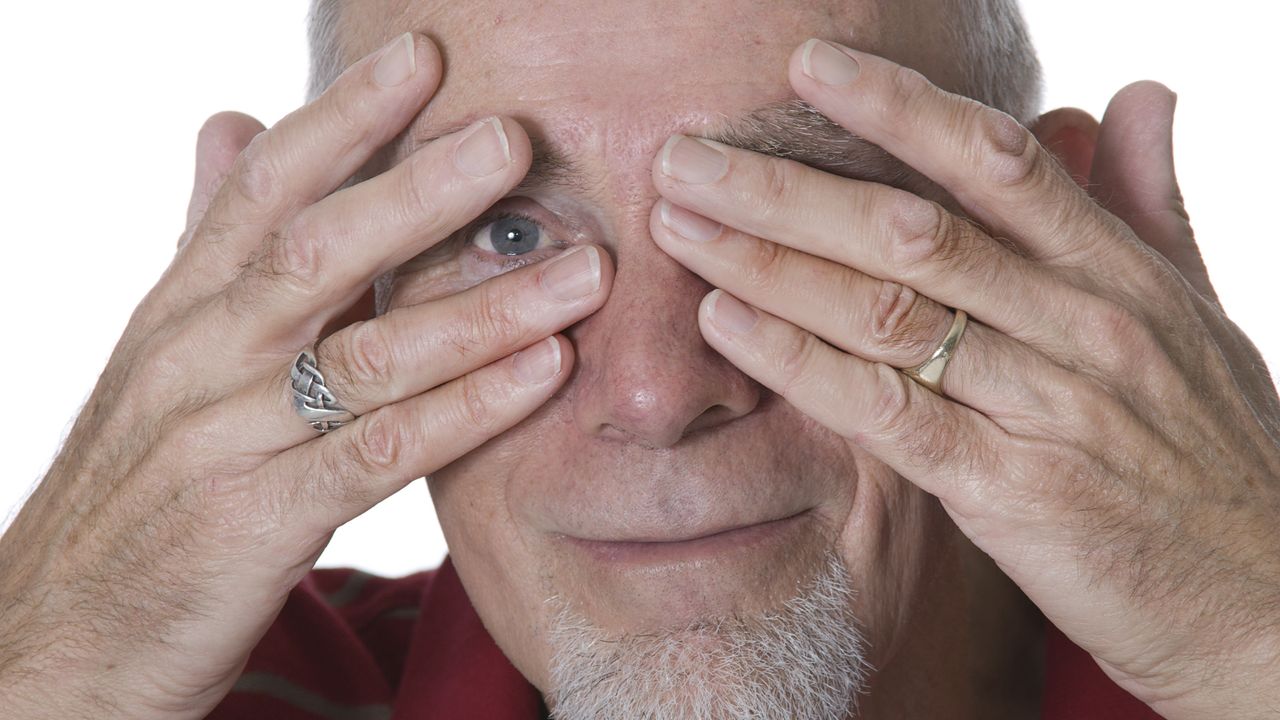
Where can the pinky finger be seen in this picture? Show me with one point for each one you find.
(945, 448)
(326, 482)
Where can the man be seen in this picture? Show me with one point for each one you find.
(851, 369)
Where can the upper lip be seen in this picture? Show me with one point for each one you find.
(698, 535)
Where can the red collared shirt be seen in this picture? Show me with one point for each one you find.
(352, 646)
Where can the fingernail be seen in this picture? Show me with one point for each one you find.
(687, 224)
(538, 363)
(484, 150)
(732, 314)
(693, 161)
(827, 64)
(573, 274)
(398, 62)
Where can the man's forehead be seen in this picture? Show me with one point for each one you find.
(615, 77)
(607, 51)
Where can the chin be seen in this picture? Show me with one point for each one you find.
(760, 644)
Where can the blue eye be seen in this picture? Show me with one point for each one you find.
(508, 235)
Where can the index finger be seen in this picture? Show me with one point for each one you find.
(983, 157)
(313, 150)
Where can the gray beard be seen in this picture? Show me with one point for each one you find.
(805, 661)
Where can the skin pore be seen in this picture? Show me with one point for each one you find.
(656, 436)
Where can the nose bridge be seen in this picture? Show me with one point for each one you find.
(647, 376)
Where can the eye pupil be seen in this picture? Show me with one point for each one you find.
(514, 236)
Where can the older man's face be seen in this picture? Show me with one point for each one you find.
(656, 437)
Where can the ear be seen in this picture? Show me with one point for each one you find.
(1071, 134)
(1133, 176)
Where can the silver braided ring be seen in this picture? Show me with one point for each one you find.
(313, 401)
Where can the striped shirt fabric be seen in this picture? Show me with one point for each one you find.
(354, 646)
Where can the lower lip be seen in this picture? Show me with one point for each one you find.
(736, 540)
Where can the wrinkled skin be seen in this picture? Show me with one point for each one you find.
(653, 433)
(656, 435)
(1108, 438)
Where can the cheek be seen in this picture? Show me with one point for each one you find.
(897, 543)
(499, 567)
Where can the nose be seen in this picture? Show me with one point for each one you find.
(644, 373)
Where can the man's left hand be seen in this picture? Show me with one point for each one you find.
(1103, 431)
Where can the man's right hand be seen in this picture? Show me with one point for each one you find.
(190, 497)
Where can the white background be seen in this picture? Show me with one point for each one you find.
(102, 101)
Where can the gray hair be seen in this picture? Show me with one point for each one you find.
(996, 55)
(804, 661)
(326, 50)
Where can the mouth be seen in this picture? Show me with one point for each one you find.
(699, 547)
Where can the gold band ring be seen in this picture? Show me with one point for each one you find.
(929, 372)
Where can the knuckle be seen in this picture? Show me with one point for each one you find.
(257, 178)
(342, 117)
(1122, 340)
(1006, 150)
(920, 239)
(764, 265)
(157, 383)
(926, 436)
(365, 360)
(778, 180)
(914, 229)
(472, 408)
(1080, 413)
(419, 200)
(905, 89)
(493, 318)
(890, 412)
(905, 322)
(291, 256)
(795, 360)
(375, 448)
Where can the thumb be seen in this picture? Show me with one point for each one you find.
(220, 141)
(1133, 177)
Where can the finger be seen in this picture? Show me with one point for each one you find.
(321, 484)
(1133, 177)
(412, 349)
(327, 256)
(992, 165)
(222, 139)
(942, 446)
(1071, 135)
(314, 149)
(878, 320)
(888, 233)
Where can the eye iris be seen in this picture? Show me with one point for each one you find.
(514, 236)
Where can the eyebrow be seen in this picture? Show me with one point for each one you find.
(795, 130)
(790, 129)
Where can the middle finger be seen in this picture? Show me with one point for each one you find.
(888, 233)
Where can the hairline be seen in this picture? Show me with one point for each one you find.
(997, 59)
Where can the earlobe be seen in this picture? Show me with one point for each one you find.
(1071, 134)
